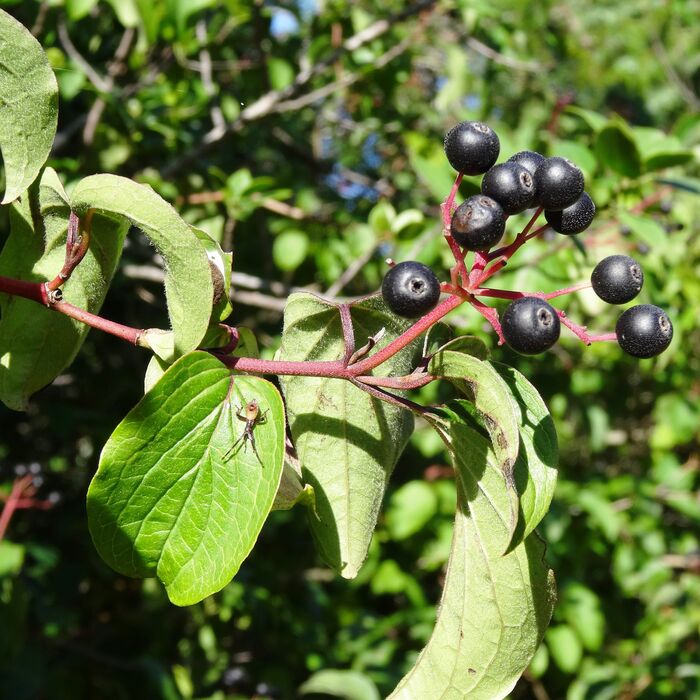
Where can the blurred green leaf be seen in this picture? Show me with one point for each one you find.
(348, 685)
(616, 148)
(410, 509)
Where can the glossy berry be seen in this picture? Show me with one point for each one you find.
(511, 185)
(644, 331)
(472, 147)
(559, 183)
(410, 289)
(617, 279)
(530, 325)
(530, 160)
(575, 218)
(478, 223)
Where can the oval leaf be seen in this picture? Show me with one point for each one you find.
(188, 284)
(36, 343)
(535, 472)
(348, 685)
(616, 148)
(347, 441)
(28, 106)
(170, 499)
(482, 384)
(494, 607)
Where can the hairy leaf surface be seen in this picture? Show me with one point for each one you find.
(347, 441)
(28, 106)
(188, 283)
(169, 498)
(494, 607)
(36, 343)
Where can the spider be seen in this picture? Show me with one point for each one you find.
(250, 413)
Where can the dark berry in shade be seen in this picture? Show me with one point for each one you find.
(558, 182)
(644, 331)
(410, 289)
(573, 219)
(511, 185)
(530, 325)
(530, 160)
(478, 223)
(472, 147)
(617, 279)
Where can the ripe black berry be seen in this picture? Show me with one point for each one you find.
(410, 289)
(530, 160)
(478, 223)
(530, 325)
(511, 185)
(472, 147)
(559, 183)
(644, 331)
(617, 279)
(574, 218)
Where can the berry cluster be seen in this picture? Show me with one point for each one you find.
(527, 180)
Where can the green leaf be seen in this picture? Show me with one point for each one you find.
(410, 509)
(565, 648)
(348, 685)
(155, 369)
(292, 491)
(220, 264)
(281, 73)
(36, 343)
(11, 558)
(581, 608)
(616, 148)
(595, 120)
(188, 284)
(169, 498)
(482, 384)
(494, 608)
(429, 163)
(347, 441)
(645, 228)
(289, 250)
(659, 150)
(535, 472)
(28, 106)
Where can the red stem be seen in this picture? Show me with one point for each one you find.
(29, 290)
(407, 337)
(13, 499)
(447, 210)
(131, 335)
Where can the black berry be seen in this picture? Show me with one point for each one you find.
(559, 183)
(410, 289)
(478, 223)
(472, 147)
(644, 331)
(573, 219)
(530, 325)
(530, 160)
(617, 279)
(511, 185)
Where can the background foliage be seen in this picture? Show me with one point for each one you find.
(306, 136)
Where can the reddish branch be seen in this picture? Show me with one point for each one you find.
(21, 496)
(355, 365)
